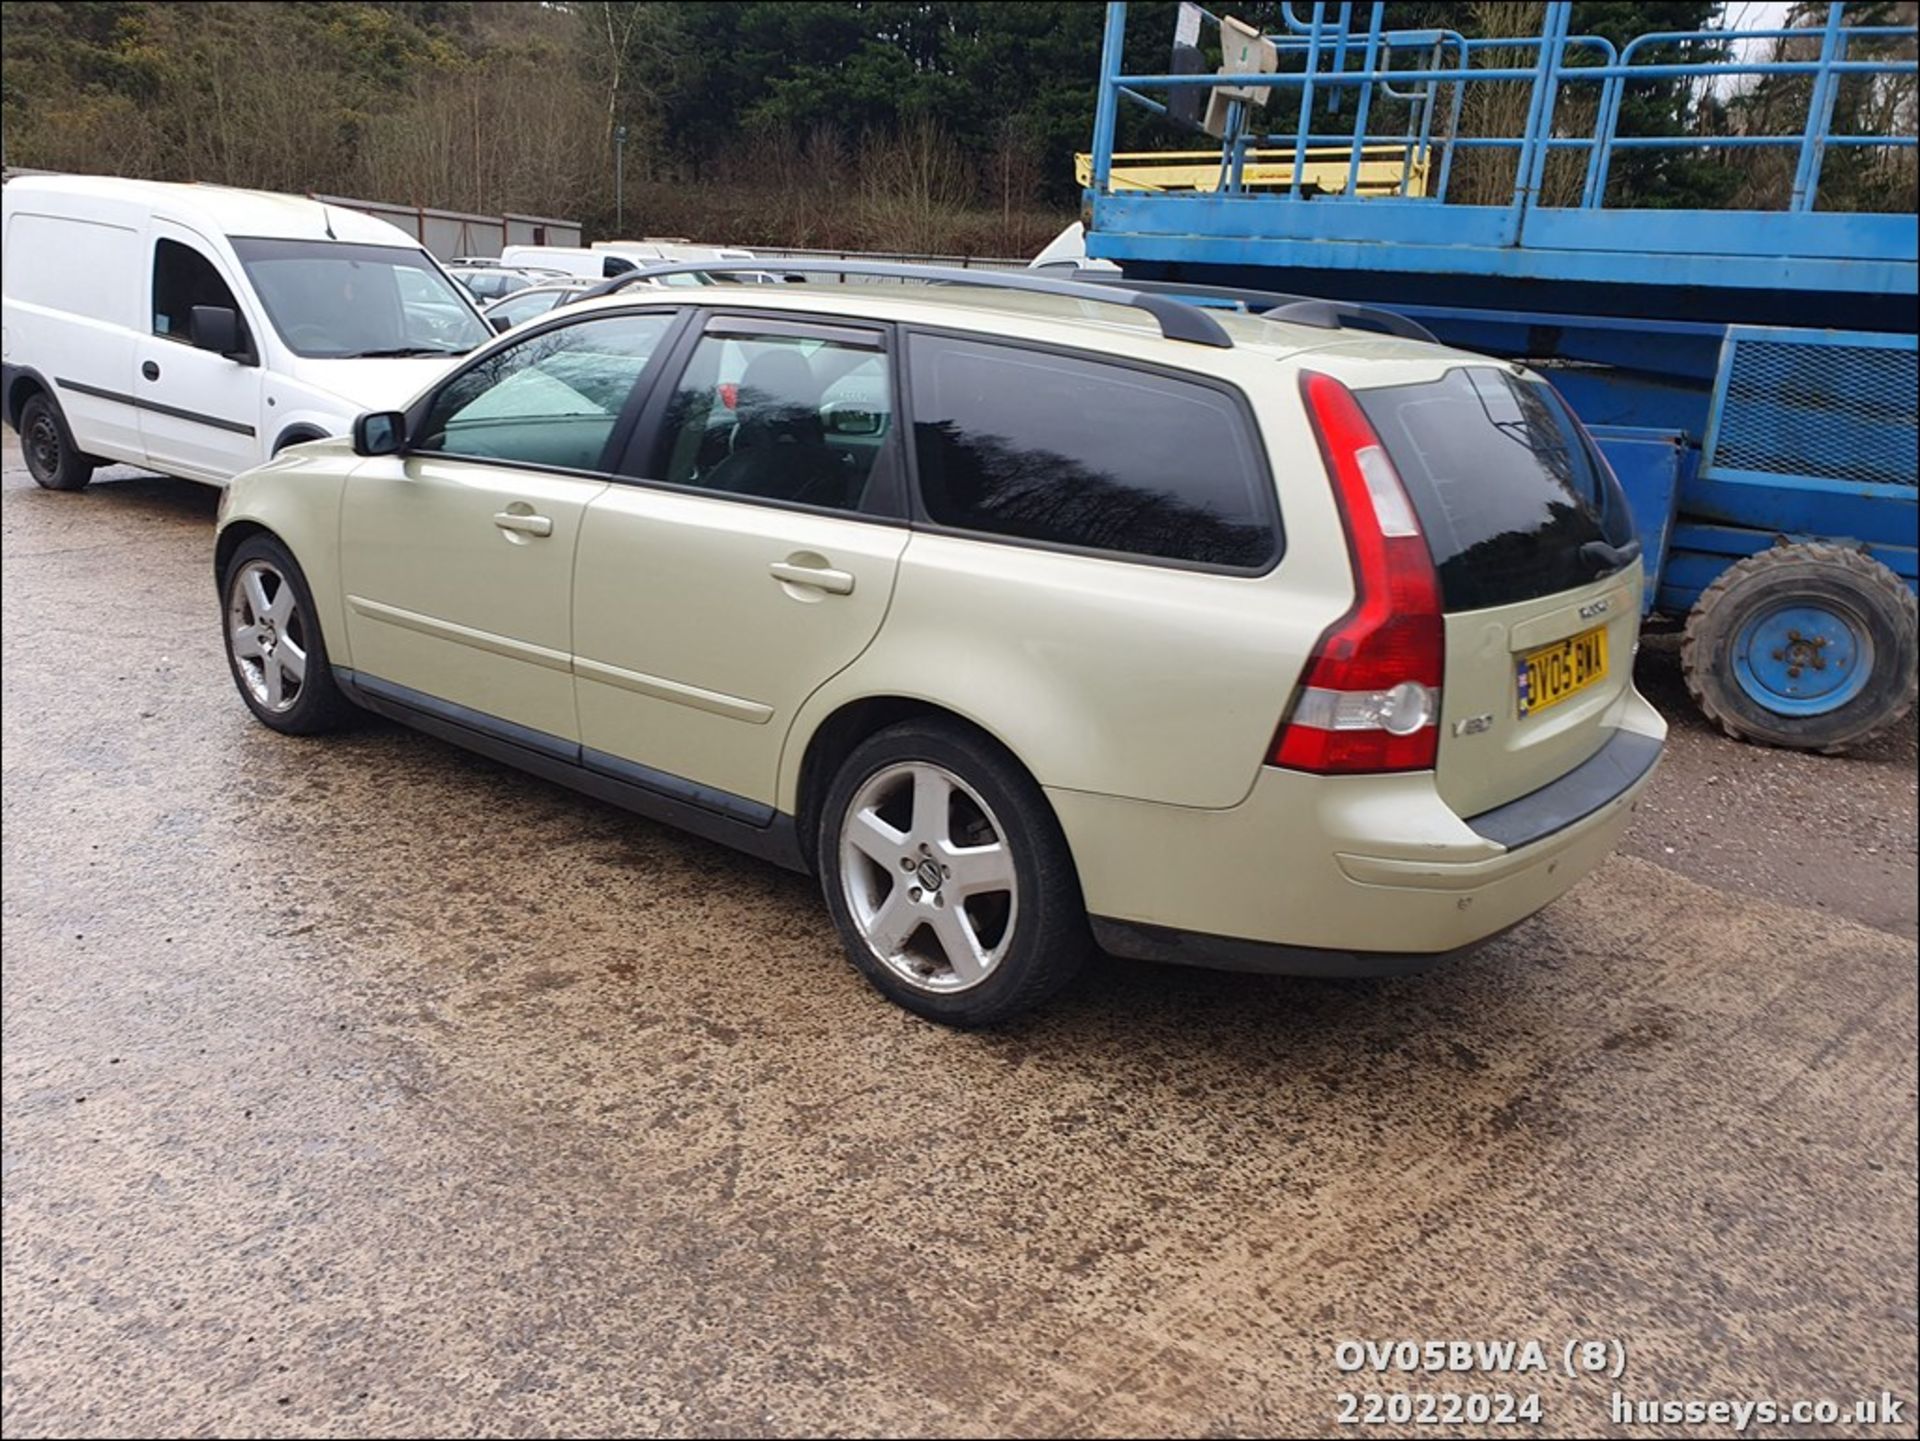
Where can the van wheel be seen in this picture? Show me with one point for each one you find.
(273, 641)
(52, 459)
(1809, 646)
(948, 876)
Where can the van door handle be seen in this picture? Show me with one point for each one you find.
(525, 524)
(833, 582)
(150, 370)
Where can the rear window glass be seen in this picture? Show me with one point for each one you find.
(1508, 488)
(1061, 451)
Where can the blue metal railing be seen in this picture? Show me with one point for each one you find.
(1325, 41)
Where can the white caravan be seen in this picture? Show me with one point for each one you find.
(196, 330)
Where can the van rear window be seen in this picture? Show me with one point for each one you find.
(1509, 489)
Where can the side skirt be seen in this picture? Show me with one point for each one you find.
(714, 815)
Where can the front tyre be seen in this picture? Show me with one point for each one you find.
(1810, 646)
(948, 876)
(273, 641)
(52, 460)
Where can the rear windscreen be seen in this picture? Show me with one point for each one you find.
(1514, 501)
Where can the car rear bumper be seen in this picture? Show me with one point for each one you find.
(1347, 876)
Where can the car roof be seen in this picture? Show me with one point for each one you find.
(1039, 318)
(223, 209)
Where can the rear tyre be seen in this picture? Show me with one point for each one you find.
(1809, 646)
(274, 647)
(948, 876)
(52, 460)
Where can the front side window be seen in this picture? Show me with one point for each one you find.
(553, 399)
(802, 418)
(182, 279)
(331, 299)
(1071, 452)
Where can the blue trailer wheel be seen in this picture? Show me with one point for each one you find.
(1803, 659)
(1810, 646)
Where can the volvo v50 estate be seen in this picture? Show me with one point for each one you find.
(1029, 615)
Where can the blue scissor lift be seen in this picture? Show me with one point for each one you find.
(1749, 374)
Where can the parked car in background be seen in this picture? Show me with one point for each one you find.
(1022, 612)
(487, 283)
(524, 305)
(197, 330)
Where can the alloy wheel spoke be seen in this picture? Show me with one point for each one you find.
(246, 642)
(893, 921)
(256, 589)
(281, 610)
(876, 840)
(292, 659)
(957, 941)
(932, 803)
(270, 680)
(976, 870)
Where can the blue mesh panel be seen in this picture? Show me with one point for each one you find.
(1841, 412)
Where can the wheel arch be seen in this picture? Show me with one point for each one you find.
(298, 433)
(23, 383)
(843, 729)
(231, 538)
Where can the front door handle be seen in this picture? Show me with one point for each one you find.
(833, 582)
(150, 370)
(525, 524)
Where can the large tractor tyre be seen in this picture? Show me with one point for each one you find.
(1808, 646)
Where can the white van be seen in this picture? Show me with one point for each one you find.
(196, 330)
(570, 259)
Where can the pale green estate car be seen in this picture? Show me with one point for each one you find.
(1029, 619)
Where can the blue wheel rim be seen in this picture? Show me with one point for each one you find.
(1803, 657)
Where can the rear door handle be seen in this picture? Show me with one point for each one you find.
(525, 524)
(833, 582)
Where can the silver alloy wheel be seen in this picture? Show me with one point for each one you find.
(267, 635)
(928, 876)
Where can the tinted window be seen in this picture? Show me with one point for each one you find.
(182, 279)
(330, 298)
(1074, 452)
(550, 400)
(797, 418)
(1508, 488)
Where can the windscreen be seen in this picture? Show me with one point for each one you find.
(1512, 496)
(337, 300)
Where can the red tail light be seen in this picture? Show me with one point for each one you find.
(1370, 698)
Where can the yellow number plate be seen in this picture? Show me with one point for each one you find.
(1549, 675)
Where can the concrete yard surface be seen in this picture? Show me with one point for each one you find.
(361, 1086)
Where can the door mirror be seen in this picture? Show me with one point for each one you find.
(216, 328)
(841, 418)
(379, 432)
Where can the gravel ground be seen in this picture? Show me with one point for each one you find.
(364, 1087)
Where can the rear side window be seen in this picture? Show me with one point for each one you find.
(1069, 452)
(182, 279)
(1509, 490)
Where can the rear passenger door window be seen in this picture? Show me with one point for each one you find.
(781, 411)
(1066, 451)
(552, 400)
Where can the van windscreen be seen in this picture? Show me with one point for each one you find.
(338, 300)
(1510, 492)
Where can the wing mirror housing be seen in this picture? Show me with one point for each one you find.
(217, 328)
(379, 432)
(842, 418)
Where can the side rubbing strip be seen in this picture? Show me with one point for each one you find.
(155, 406)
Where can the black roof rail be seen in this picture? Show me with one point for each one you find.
(1178, 320)
(1278, 305)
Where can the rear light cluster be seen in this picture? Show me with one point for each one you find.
(1370, 699)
